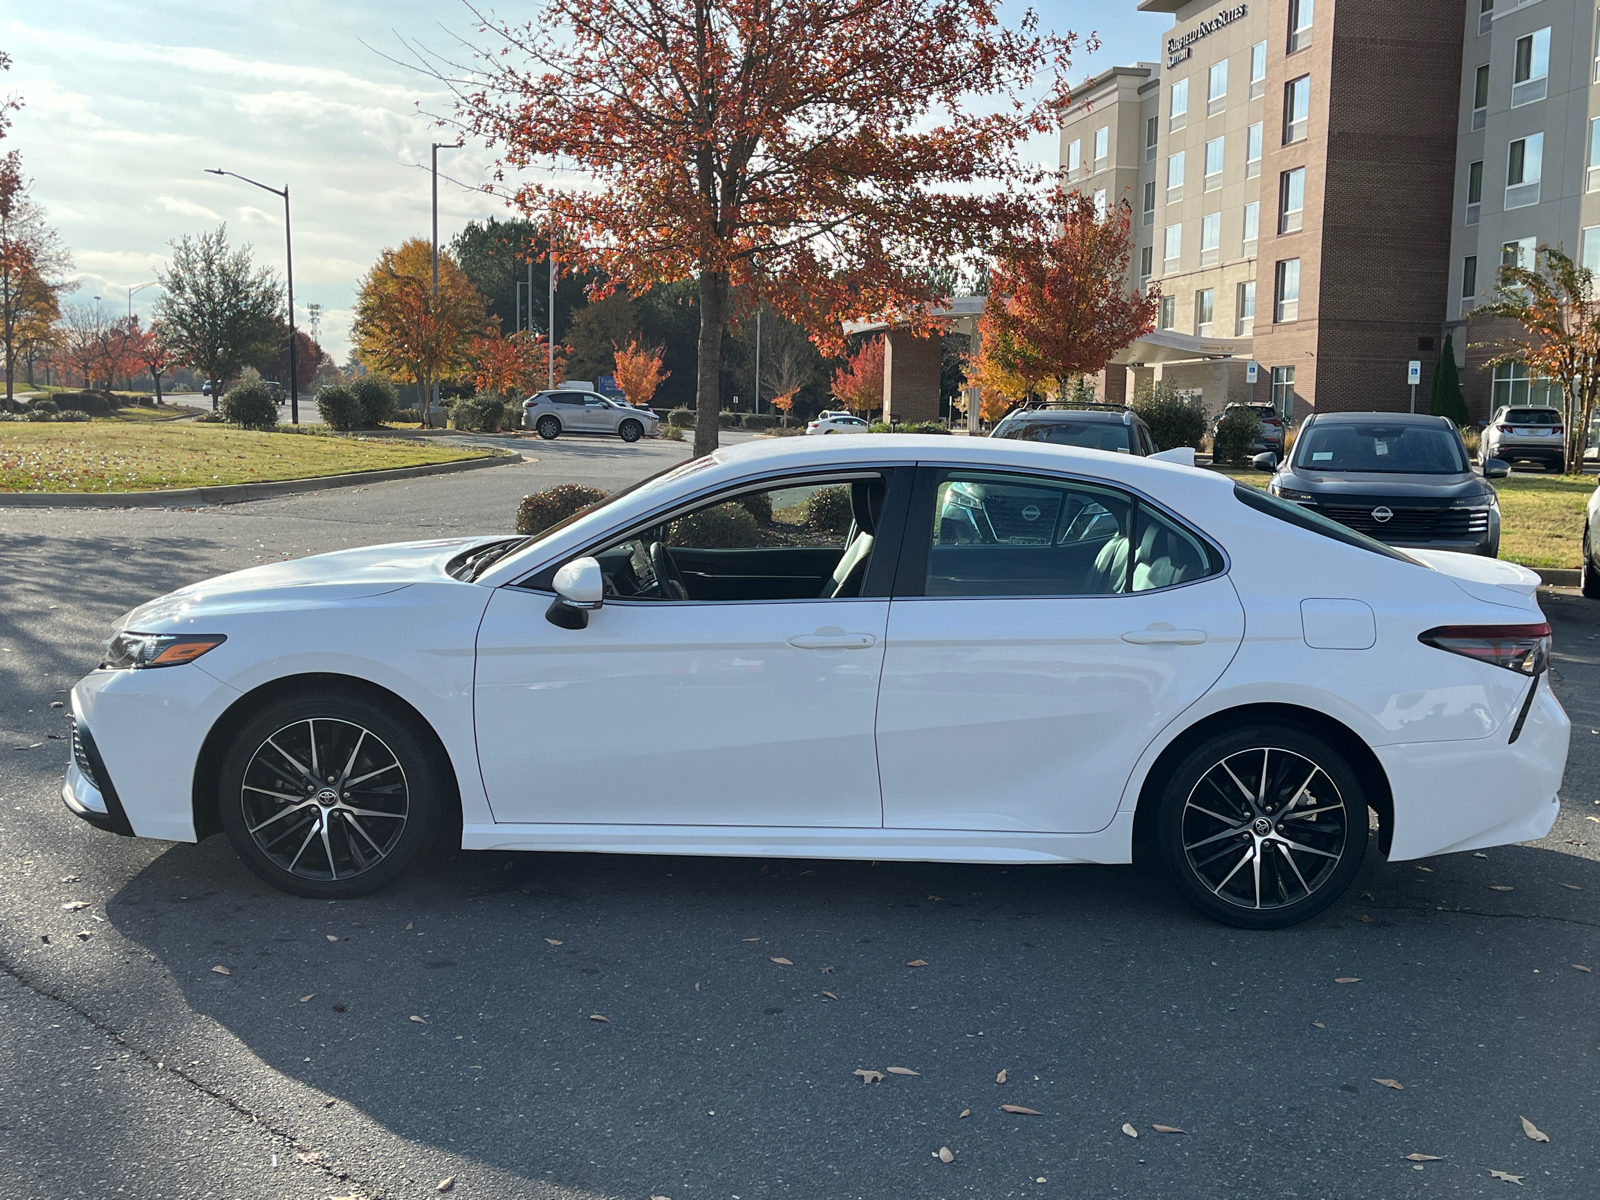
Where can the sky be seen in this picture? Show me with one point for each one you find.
(126, 105)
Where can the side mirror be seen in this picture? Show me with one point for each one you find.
(1496, 468)
(579, 587)
(1267, 462)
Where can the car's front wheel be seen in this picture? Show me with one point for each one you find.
(329, 796)
(549, 428)
(630, 431)
(1262, 827)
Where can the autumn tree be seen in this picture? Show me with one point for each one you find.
(1059, 303)
(513, 366)
(639, 372)
(806, 154)
(218, 311)
(309, 358)
(148, 349)
(33, 265)
(403, 330)
(1554, 301)
(859, 383)
(784, 403)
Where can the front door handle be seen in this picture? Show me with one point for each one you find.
(831, 640)
(1166, 637)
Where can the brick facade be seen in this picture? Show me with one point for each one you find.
(910, 377)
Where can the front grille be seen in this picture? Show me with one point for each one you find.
(81, 757)
(1411, 524)
(1023, 520)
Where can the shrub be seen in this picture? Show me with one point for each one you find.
(1471, 435)
(828, 509)
(9, 416)
(728, 420)
(1238, 429)
(760, 421)
(722, 527)
(338, 407)
(45, 405)
(377, 399)
(40, 415)
(210, 418)
(250, 406)
(681, 418)
(96, 404)
(672, 433)
(1175, 419)
(543, 509)
(73, 415)
(758, 505)
(907, 427)
(480, 414)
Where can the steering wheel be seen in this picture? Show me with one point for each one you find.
(669, 581)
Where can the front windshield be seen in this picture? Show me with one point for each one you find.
(1392, 449)
(1091, 435)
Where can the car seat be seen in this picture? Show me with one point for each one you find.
(866, 507)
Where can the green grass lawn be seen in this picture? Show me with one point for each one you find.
(1541, 516)
(137, 456)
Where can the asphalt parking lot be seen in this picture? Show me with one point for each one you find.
(444, 1027)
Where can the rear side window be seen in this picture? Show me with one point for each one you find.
(1294, 514)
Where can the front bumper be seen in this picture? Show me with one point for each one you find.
(87, 790)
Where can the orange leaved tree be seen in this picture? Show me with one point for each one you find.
(784, 402)
(639, 371)
(512, 366)
(859, 383)
(816, 156)
(403, 330)
(1059, 304)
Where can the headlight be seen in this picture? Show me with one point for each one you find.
(131, 651)
(1287, 493)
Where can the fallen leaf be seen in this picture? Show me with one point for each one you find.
(655, 1197)
(330, 937)
(303, 999)
(1020, 1111)
(410, 925)
(901, 1071)
(1364, 917)
(1572, 887)
(1429, 870)
(75, 906)
(946, 1155)
(1319, 1024)
(1581, 967)
(1391, 1083)
(1596, 819)
(965, 1112)
(1348, 979)
(1533, 1131)
(84, 935)
(917, 962)
(827, 970)
(868, 1076)
(307, 1158)
(803, 874)
(1129, 1130)
(1501, 887)
(418, 1019)
(1166, 1129)
(1000, 1078)
(338, 1007)
(222, 970)
(1041, 1179)
(783, 962)
(1475, 854)
(830, 995)
(449, 1181)
(598, 1017)
(555, 941)
(1424, 1158)
(752, 939)
(327, 1104)
(1516, 1179)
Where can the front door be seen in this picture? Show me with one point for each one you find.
(1042, 634)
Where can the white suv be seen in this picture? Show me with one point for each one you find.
(573, 410)
(1537, 434)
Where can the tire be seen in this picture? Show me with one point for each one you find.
(630, 431)
(1589, 578)
(549, 428)
(1559, 464)
(330, 841)
(1209, 838)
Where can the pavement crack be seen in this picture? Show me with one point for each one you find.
(1479, 912)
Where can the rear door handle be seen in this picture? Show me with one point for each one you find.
(833, 641)
(1166, 637)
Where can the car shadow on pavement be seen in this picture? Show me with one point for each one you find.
(640, 1025)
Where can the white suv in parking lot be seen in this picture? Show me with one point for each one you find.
(573, 410)
(1535, 434)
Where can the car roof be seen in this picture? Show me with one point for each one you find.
(1110, 416)
(1384, 418)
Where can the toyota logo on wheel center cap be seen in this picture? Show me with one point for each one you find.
(1262, 826)
(327, 797)
(1382, 513)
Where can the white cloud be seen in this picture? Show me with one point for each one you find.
(187, 208)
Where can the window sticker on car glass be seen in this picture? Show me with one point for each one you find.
(1321, 455)
(1380, 447)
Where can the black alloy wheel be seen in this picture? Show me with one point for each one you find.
(328, 796)
(549, 428)
(630, 430)
(1262, 827)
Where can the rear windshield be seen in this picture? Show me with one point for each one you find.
(1092, 435)
(1391, 449)
(1531, 416)
(1294, 514)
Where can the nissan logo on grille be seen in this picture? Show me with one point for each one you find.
(1382, 514)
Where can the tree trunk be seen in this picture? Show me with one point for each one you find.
(708, 382)
(156, 375)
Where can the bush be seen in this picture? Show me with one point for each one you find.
(377, 399)
(1174, 418)
(543, 509)
(480, 414)
(1236, 432)
(73, 415)
(250, 406)
(760, 421)
(722, 527)
(672, 433)
(338, 407)
(681, 418)
(40, 415)
(758, 505)
(45, 405)
(728, 420)
(96, 404)
(828, 510)
(907, 427)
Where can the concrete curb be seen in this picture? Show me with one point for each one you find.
(236, 493)
(1558, 576)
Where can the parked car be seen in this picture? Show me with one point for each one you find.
(834, 422)
(1109, 428)
(1405, 479)
(912, 648)
(570, 410)
(1589, 580)
(1527, 435)
(1274, 429)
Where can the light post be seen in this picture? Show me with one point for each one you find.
(140, 288)
(433, 401)
(758, 357)
(550, 346)
(288, 260)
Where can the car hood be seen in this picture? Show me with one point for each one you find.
(1355, 487)
(304, 582)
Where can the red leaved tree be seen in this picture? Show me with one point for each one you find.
(512, 366)
(1059, 306)
(820, 157)
(859, 383)
(638, 371)
(784, 402)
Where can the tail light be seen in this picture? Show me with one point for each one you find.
(1555, 429)
(1524, 649)
(1503, 428)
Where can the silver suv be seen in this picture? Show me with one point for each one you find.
(571, 410)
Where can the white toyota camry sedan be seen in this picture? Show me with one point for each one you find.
(862, 647)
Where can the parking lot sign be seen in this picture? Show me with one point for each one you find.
(1413, 372)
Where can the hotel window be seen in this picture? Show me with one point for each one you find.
(1175, 177)
(1100, 204)
(1074, 158)
(1592, 176)
(1252, 225)
(1300, 12)
(1469, 279)
(1146, 256)
(1217, 88)
(1258, 70)
(1179, 113)
(1172, 247)
(1291, 200)
(1102, 147)
(1519, 253)
(1474, 192)
(1252, 150)
(1524, 163)
(1150, 202)
(1152, 130)
(1244, 308)
(1589, 249)
(1530, 80)
(1205, 304)
(1169, 312)
(1480, 98)
(1283, 389)
(1485, 17)
(1210, 239)
(1288, 290)
(1296, 109)
(1512, 387)
(1214, 149)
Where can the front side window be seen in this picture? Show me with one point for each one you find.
(1214, 156)
(1288, 280)
(1291, 200)
(1296, 109)
(1362, 448)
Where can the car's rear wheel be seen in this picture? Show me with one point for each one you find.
(1262, 827)
(1559, 464)
(328, 796)
(549, 428)
(630, 431)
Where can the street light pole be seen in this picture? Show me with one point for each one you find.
(288, 262)
(758, 358)
(433, 401)
(550, 346)
(140, 288)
